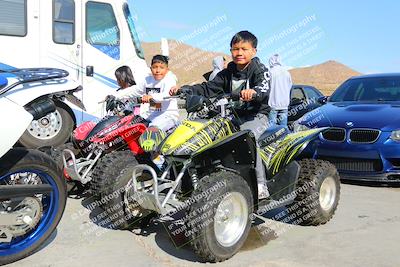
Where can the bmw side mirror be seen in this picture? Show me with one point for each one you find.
(322, 100)
(295, 101)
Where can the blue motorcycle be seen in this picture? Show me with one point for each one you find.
(32, 189)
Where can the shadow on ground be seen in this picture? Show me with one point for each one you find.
(171, 237)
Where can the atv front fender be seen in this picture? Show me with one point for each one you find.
(236, 152)
(289, 149)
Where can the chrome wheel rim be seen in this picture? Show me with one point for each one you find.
(46, 127)
(230, 219)
(327, 193)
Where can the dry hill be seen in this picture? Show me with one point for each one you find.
(326, 76)
(190, 63)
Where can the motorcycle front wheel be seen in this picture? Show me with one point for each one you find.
(27, 222)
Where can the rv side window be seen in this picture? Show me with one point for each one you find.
(132, 29)
(64, 21)
(13, 18)
(101, 25)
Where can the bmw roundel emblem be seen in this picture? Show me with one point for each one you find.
(349, 124)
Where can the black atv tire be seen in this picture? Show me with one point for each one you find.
(112, 200)
(311, 209)
(200, 225)
(109, 167)
(20, 159)
(67, 125)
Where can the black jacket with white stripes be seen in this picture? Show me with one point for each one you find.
(230, 80)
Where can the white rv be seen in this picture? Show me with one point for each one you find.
(89, 39)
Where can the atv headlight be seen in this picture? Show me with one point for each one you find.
(151, 139)
(395, 136)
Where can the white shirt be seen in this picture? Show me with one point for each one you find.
(281, 84)
(158, 90)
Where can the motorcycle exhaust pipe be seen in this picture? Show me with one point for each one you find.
(41, 108)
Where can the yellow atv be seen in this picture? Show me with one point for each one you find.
(209, 172)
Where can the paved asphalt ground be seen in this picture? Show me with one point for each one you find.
(364, 232)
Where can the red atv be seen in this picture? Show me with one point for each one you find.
(101, 150)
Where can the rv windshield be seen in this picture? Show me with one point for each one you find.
(134, 35)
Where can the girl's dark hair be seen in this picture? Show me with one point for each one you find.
(244, 36)
(160, 59)
(124, 74)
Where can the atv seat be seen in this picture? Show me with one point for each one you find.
(105, 122)
(140, 119)
(272, 134)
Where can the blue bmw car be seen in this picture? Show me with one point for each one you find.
(364, 139)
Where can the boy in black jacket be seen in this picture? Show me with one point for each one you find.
(248, 77)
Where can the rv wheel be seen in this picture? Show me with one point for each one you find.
(53, 129)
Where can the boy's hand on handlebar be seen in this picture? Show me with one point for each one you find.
(146, 98)
(174, 90)
(247, 94)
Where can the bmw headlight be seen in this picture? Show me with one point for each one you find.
(395, 136)
(297, 127)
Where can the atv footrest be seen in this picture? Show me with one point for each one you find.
(78, 169)
(156, 198)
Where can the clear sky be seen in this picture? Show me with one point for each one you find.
(364, 35)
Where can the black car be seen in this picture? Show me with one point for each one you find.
(304, 98)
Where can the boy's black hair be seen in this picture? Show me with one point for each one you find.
(244, 36)
(124, 74)
(160, 59)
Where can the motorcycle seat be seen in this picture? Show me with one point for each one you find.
(3, 82)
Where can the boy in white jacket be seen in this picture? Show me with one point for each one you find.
(154, 108)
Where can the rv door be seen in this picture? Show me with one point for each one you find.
(101, 51)
(60, 40)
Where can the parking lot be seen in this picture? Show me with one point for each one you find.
(364, 232)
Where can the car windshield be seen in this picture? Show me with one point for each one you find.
(372, 89)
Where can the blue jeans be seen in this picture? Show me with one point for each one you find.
(278, 117)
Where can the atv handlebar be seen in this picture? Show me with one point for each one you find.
(183, 92)
(172, 97)
(203, 107)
